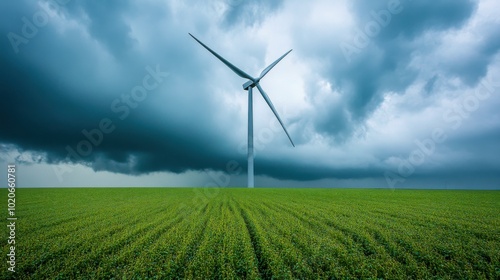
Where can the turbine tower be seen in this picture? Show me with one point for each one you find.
(248, 86)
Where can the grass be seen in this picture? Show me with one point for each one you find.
(255, 234)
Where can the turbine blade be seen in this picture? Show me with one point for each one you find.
(263, 93)
(235, 69)
(268, 68)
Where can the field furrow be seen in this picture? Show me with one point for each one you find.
(155, 233)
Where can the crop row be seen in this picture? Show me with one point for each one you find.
(256, 234)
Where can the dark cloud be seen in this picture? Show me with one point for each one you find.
(106, 23)
(73, 75)
(412, 18)
(43, 111)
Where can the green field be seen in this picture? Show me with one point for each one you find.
(165, 233)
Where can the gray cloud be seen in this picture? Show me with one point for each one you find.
(383, 64)
(80, 67)
(248, 12)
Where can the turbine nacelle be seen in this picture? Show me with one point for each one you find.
(248, 84)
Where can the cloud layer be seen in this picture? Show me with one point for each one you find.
(390, 90)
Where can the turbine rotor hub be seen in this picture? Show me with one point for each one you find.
(249, 84)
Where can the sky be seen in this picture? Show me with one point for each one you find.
(376, 94)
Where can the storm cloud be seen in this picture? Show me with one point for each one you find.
(386, 93)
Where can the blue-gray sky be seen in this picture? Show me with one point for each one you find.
(398, 94)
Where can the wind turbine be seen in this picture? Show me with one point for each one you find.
(248, 86)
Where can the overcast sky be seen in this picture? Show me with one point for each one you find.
(392, 94)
